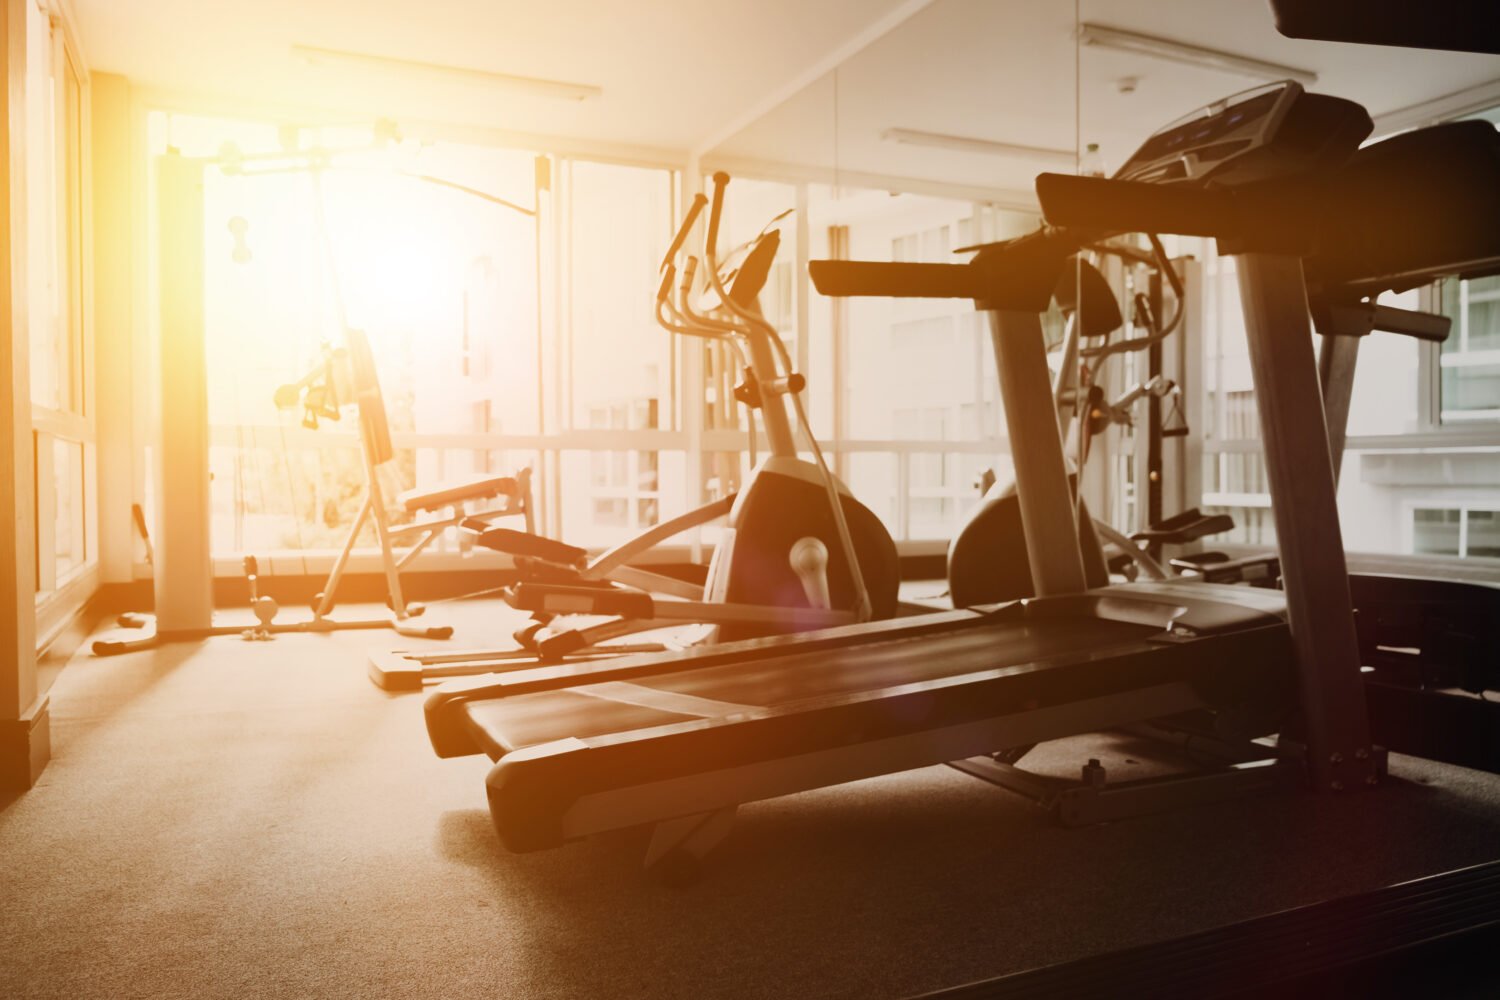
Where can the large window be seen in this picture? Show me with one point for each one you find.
(502, 338)
(907, 387)
(625, 469)
(1233, 473)
(501, 341)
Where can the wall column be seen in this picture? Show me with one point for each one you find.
(25, 744)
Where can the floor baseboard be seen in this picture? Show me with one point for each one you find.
(25, 747)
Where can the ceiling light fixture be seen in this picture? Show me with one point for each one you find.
(314, 56)
(1191, 55)
(967, 144)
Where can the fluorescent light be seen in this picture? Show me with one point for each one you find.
(1191, 55)
(314, 56)
(967, 144)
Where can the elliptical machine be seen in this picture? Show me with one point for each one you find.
(987, 560)
(797, 551)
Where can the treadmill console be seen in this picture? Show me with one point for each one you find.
(1267, 131)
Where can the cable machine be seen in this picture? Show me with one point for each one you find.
(181, 552)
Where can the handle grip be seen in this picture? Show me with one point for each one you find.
(841, 278)
(721, 181)
(1412, 323)
(694, 210)
(809, 560)
(668, 274)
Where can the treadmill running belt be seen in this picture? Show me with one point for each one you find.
(502, 725)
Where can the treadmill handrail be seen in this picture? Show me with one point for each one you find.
(841, 278)
(1335, 317)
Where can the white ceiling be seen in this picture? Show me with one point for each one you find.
(672, 71)
(677, 73)
(1010, 71)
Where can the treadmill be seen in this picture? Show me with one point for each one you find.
(678, 741)
(1427, 644)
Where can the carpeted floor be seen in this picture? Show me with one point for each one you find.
(233, 819)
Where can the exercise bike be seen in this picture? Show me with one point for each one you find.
(797, 550)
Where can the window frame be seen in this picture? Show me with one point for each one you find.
(1409, 509)
(60, 595)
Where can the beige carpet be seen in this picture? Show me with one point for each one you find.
(232, 819)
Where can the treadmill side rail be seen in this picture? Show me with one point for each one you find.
(544, 796)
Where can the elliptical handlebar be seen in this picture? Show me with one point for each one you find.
(721, 181)
(668, 275)
(698, 324)
(694, 210)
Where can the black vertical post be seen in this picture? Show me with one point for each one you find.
(1153, 415)
(1304, 503)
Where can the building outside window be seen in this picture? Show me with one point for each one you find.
(1465, 532)
(1421, 467)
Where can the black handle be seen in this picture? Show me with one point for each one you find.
(840, 278)
(1412, 323)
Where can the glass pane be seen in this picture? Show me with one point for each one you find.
(898, 358)
(47, 321)
(443, 285)
(1436, 532)
(943, 489)
(1252, 525)
(619, 363)
(271, 494)
(873, 478)
(68, 522)
(609, 496)
(1483, 313)
(1471, 391)
(1240, 473)
(1483, 534)
(1386, 379)
(1470, 356)
(72, 235)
